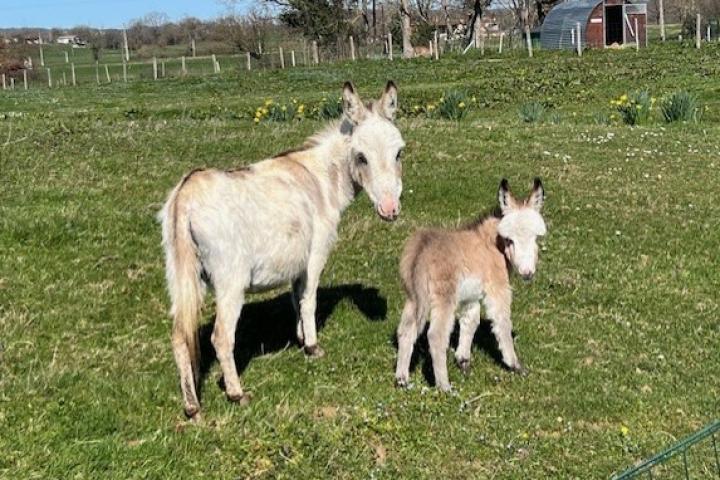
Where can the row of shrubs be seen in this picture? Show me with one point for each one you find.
(635, 108)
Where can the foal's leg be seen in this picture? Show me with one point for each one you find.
(407, 334)
(497, 306)
(187, 376)
(298, 287)
(308, 303)
(469, 321)
(442, 321)
(229, 306)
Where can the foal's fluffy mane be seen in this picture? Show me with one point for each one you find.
(482, 218)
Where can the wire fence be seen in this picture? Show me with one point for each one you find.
(695, 456)
(59, 66)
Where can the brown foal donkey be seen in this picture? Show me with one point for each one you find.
(449, 271)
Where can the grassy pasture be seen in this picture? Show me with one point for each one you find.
(619, 330)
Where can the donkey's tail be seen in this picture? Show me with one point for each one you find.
(182, 271)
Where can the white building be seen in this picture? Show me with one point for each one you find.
(69, 40)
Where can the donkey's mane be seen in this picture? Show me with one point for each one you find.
(482, 218)
(318, 138)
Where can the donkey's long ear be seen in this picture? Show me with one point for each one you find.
(537, 196)
(352, 105)
(505, 198)
(388, 101)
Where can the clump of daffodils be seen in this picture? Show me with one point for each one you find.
(454, 105)
(634, 108)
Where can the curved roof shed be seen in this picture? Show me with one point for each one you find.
(602, 23)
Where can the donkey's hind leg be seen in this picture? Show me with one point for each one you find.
(187, 376)
(442, 321)
(469, 321)
(407, 333)
(229, 306)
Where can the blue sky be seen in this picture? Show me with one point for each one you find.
(101, 13)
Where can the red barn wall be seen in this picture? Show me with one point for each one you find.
(595, 35)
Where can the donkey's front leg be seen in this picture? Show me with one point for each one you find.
(308, 304)
(298, 287)
(469, 321)
(498, 309)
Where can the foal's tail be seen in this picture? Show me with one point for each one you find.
(182, 271)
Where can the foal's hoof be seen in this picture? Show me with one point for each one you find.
(314, 351)
(401, 382)
(520, 370)
(192, 412)
(240, 398)
(464, 364)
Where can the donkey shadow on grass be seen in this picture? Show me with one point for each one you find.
(268, 326)
(484, 341)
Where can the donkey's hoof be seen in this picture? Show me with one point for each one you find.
(520, 370)
(314, 351)
(240, 398)
(192, 412)
(445, 388)
(464, 364)
(402, 382)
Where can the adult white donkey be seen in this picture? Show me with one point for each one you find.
(270, 224)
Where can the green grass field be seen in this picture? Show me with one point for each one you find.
(619, 330)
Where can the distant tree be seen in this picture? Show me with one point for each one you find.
(405, 18)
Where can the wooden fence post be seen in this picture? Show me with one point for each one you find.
(107, 74)
(12, 83)
(97, 72)
(528, 39)
(352, 48)
(698, 35)
(192, 47)
(25, 83)
(42, 55)
(437, 49)
(155, 70)
(4, 82)
(661, 13)
(249, 64)
(125, 65)
(183, 67)
(292, 57)
(282, 58)
(67, 57)
(637, 36)
(162, 68)
(125, 46)
(578, 38)
(49, 78)
(72, 74)
(316, 55)
(502, 38)
(390, 46)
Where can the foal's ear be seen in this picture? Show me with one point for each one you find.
(388, 101)
(537, 196)
(352, 105)
(505, 197)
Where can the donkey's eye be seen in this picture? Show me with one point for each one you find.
(399, 156)
(361, 159)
